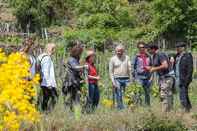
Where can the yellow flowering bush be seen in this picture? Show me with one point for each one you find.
(16, 92)
(107, 103)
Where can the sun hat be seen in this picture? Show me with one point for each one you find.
(89, 53)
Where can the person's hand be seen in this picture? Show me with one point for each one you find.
(82, 81)
(98, 78)
(148, 68)
(114, 84)
(85, 66)
(151, 70)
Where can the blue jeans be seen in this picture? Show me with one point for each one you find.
(146, 86)
(94, 95)
(119, 91)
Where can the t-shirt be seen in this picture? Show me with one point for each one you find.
(92, 72)
(157, 60)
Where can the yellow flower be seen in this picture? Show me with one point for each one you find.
(16, 92)
(107, 103)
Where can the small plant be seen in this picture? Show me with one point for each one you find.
(155, 90)
(107, 103)
(133, 94)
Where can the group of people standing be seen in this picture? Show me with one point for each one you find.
(122, 70)
(173, 73)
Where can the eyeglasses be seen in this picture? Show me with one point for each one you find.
(141, 47)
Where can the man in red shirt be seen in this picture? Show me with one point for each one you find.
(92, 79)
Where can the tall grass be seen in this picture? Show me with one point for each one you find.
(137, 118)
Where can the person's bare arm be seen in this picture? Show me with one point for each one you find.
(164, 65)
(80, 67)
(94, 77)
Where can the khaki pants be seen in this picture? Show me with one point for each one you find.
(166, 94)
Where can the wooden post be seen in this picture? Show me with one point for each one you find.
(7, 27)
(28, 26)
(163, 45)
(46, 34)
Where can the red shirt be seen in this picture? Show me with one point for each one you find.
(92, 72)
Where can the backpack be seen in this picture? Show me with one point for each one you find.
(39, 67)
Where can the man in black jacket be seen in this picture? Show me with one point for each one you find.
(184, 70)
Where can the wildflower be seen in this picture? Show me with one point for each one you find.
(16, 92)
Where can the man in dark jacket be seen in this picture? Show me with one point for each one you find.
(184, 70)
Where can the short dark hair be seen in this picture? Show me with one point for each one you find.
(27, 44)
(153, 46)
(77, 49)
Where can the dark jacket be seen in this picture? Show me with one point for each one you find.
(73, 77)
(186, 69)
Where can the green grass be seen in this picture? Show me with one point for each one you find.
(137, 118)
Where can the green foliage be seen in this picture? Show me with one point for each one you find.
(98, 21)
(133, 94)
(175, 17)
(11, 40)
(155, 90)
(40, 13)
(154, 123)
(115, 20)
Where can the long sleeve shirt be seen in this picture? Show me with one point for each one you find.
(120, 67)
(47, 70)
(33, 65)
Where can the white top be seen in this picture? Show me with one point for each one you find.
(33, 65)
(47, 70)
(120, 67)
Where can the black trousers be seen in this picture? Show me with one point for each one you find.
(184, 97)
(72, 96)
(47, 94)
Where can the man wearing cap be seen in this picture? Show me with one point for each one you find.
(183, 70)
(161, 65)
(120, 74)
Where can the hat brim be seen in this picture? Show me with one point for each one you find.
(90, 54)
(178, 46)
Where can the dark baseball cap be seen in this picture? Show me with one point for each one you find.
(181, 44)
(153, 46)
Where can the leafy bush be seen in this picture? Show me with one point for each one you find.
(16, 92)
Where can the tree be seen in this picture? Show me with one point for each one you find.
(175, 17)
(40, 13)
